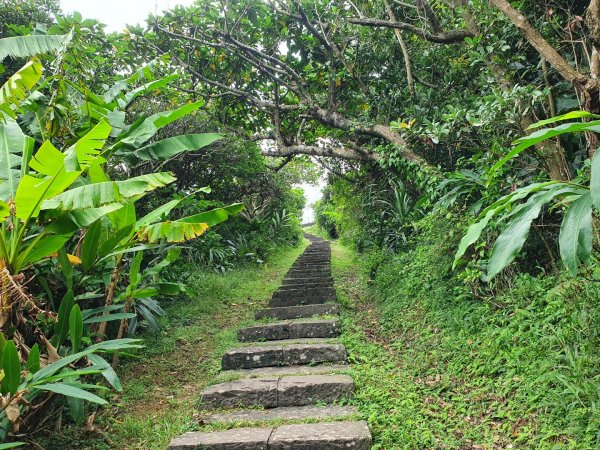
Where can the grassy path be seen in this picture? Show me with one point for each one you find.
(161, 387)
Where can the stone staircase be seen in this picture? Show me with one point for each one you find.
(289, 369)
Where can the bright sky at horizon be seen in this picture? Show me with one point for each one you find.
(116, 14)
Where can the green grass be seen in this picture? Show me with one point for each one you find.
(436, 368)
(162, 386)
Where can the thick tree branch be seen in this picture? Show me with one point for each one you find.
(409, 74)
(444, 37)
(326, 151)
(543, 47)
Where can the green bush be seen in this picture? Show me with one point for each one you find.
(524, 360)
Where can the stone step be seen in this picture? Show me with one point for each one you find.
(314, 285)
(308, 269)
(274, 392)
(281, 371)
(279, 302)
(311, 263)
(282, 355)
(307, 274)
(317, 436)
(303, 292)
(307, 282)
(326, 328)
(283, 413)
(298, 312)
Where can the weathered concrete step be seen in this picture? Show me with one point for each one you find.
(304, 292)
(302, 274)
(307, 281)
(311, 263)
(287, 370)
(275, 392)
(288, 342)
(317, 436)
(290, 330)
(282, 355)
(283, 413)
(297, 312)
(278, 302)
(309, 285)
(309, 269)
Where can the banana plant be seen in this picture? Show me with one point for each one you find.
(517, 210)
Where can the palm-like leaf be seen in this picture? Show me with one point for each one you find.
(31, 45)
(14, 147)
(99, 194)
(173, 146)
(18, 85)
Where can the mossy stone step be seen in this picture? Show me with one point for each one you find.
(306, 282)
(288, 413)
(317, 436)
(298, 312)
(326, 328)
(282, 355)
(283, 292)
(274, 392)
(293, 300)
(285, 370)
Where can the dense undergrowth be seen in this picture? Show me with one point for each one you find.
(438, 368)
(162, 382)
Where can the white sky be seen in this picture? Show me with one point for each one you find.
(118, 13)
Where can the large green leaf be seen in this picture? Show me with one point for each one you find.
(75, 327)
(41, 248)
(11, 364)
(214, 216)
(513, 236)
(13, 144)
(189, 227)
(151, 86)
(16, 88)
(144, 129)
(99, 194)
(575, 237)
(172, 231)
(173, 146)
(474, 231)
(33, 360)
(32, 190)
(568, 116)
(71, 391)
(595, 180)
(31, 45)
(61, 327)
(108, 372)
(85, 152)
(546, 133)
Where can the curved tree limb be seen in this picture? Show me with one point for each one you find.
(444, 37)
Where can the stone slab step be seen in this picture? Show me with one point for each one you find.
(326, 328)
(282, 413)
(274, 392)
(321, 436)
(298, 312)
(286, 370)
(279, 302)
(304, 292)
(318, 276)
(310, 270)
(282, 355)
(317, 436)
(307, 282)
(288, 342)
